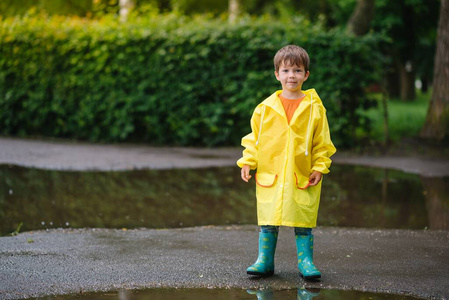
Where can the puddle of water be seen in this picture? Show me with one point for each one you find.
(356, 196)
(235, 294)
(352, 196)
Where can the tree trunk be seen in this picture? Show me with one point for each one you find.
(125, 8)
(391, 80)
(407, 75)
(437, 121)
(424, 84)
(360, 21)
(385, 116)
(234, 10)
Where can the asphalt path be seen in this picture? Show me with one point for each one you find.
(57, 155)
(56, 262)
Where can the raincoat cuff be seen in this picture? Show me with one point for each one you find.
(242, 161)
(322, 170)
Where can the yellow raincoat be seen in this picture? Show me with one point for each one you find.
(285, 155)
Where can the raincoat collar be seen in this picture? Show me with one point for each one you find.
(274, 102)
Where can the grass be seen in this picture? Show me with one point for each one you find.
(405, 119)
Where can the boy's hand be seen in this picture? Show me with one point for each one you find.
(245, 173)
(315, 178)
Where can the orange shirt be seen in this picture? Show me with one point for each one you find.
(290, 106)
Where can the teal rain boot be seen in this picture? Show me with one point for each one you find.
(264, 266)
(304, 247)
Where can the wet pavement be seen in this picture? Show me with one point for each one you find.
(67, 261)
(73, 261)
(54, 155)
(57, 155)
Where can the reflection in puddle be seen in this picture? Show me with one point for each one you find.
(236, 294)
(352, 196)
(378, 198)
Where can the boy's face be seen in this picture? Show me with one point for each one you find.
(291, 77)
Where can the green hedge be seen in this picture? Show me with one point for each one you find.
(168, 79)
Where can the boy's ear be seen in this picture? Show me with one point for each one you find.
(307, 75)
(277, 75)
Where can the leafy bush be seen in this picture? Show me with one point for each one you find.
(167, 79)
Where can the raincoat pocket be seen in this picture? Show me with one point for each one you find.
(302, 193)
(301, 182)
(265, 179)
(266, 187)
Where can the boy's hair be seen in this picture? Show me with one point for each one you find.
(292, 55)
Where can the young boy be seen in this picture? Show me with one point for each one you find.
(290, 146)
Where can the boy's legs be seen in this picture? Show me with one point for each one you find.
(269, 228)
(303, 231)
(264, 266)
(304, 247)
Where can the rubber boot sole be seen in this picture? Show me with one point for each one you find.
(311, 277)
(266, 274)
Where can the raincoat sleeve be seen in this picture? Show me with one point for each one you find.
(322, 146)
(249, 142)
